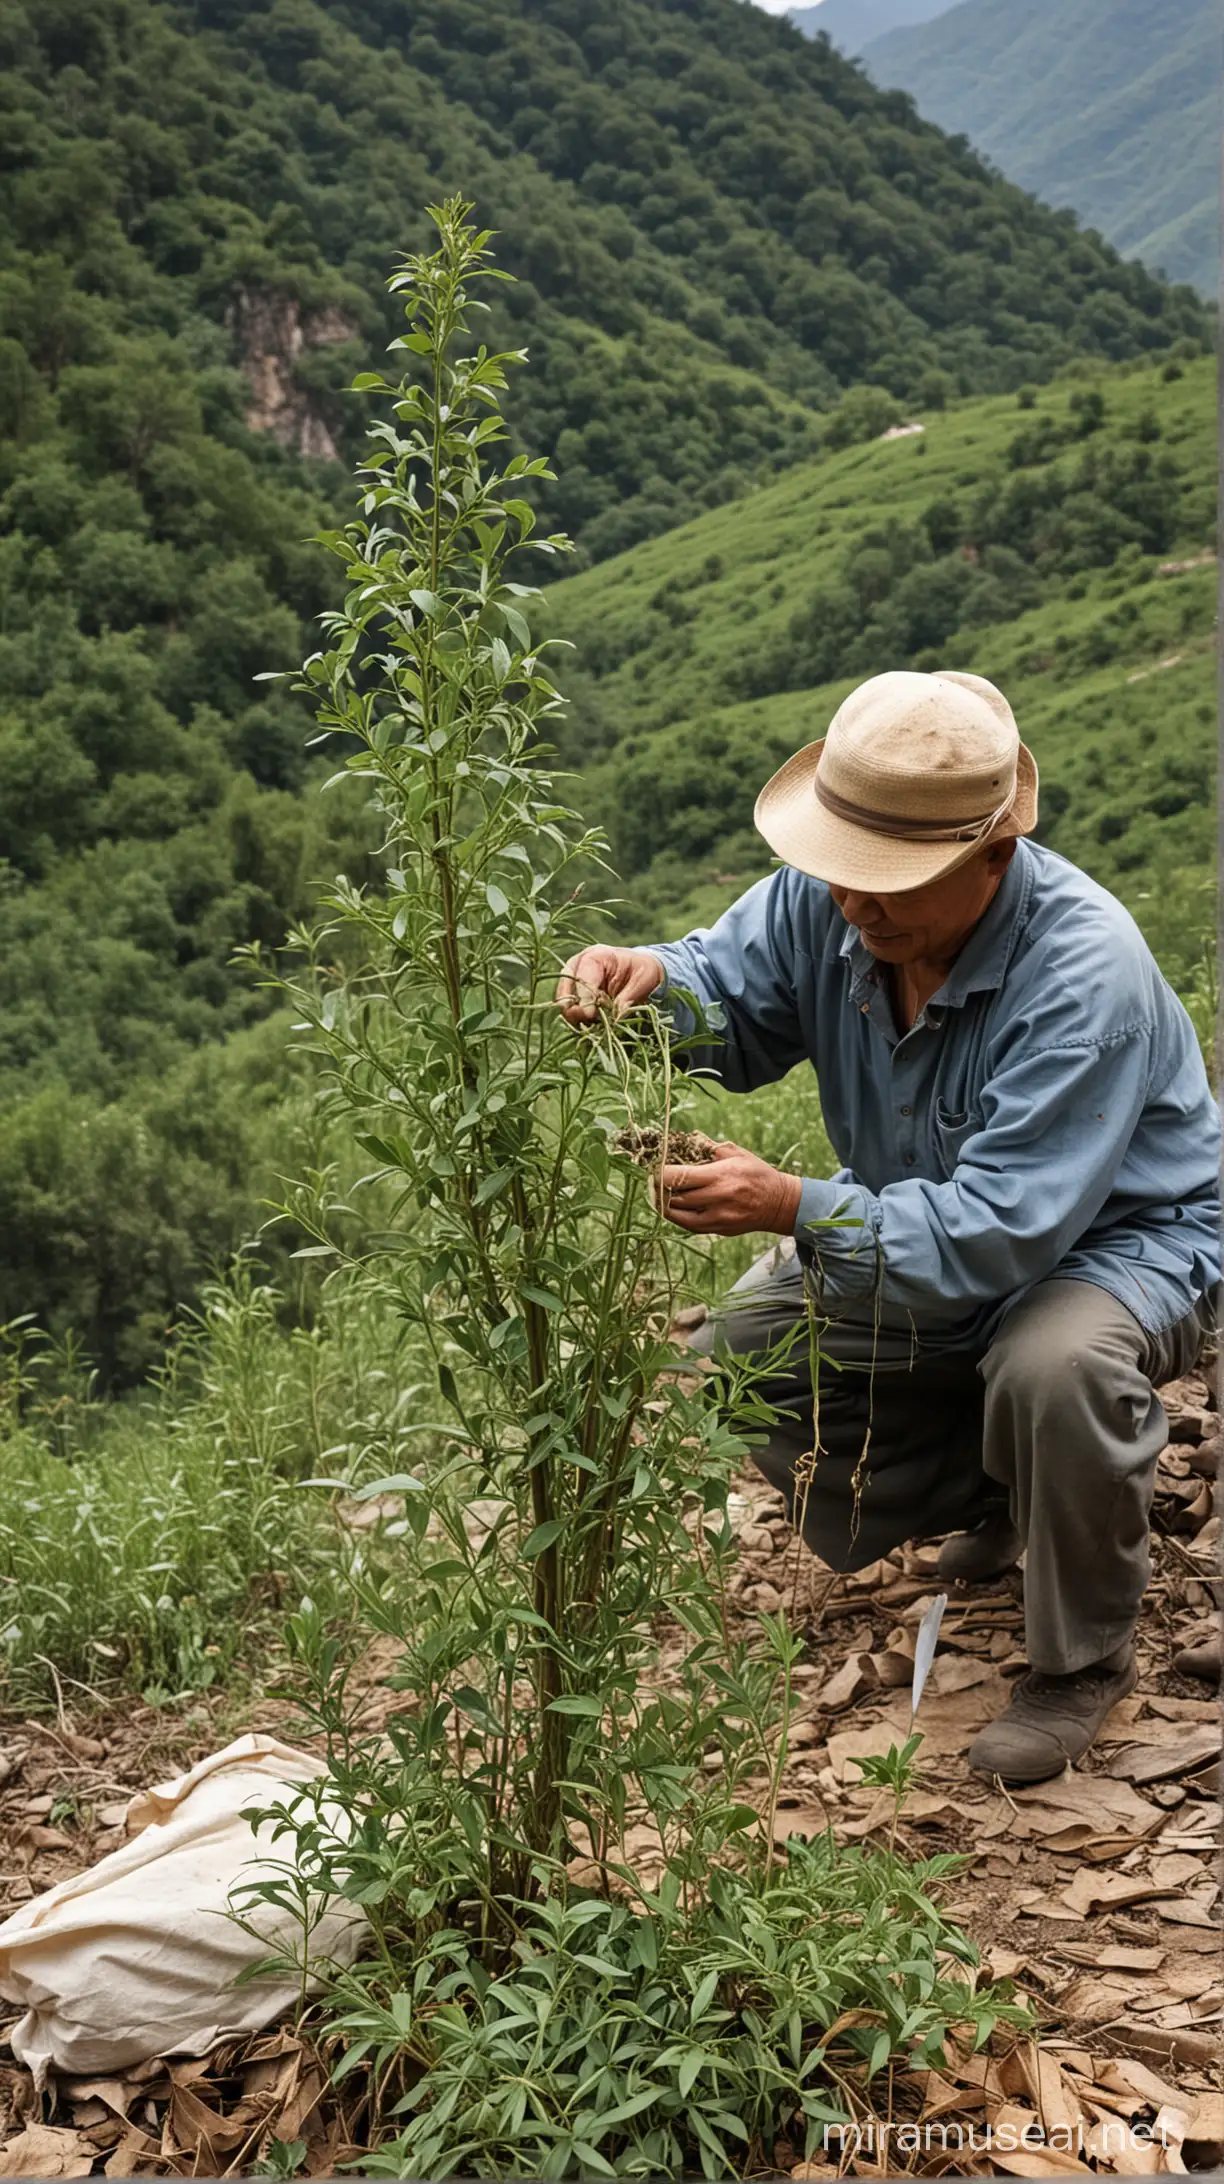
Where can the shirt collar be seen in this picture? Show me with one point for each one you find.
(982, 963)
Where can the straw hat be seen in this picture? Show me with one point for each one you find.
(916, 774)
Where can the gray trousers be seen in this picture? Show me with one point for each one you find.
(878, 1442)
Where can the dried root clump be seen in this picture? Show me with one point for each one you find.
(685, 1148)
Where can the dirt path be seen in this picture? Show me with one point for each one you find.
(1095, 1893)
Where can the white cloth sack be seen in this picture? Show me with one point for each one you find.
(138, 1956)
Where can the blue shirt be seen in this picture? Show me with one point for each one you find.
(1048, 1113)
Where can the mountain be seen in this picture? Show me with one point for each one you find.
(1111, 107)
(1062, 544)
(853, 24)
(733, 252)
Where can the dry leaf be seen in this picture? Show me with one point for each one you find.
(1015, 2149)
(1093, 1891)
(1175, 1755)
(1125, 2075)
(1027, 2070)
(1206, 2125)
(1188, 1910)
(852, 1681)
(1174, 1871)
(1114, 1956)
(1059, 1812)
(39, 2151)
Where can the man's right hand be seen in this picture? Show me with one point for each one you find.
(625, 976)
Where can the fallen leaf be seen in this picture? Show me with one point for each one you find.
(1129, 2076)
(852, 1681)
(1074, 1803)
(1016, 2151)
(39, 2151)
(1028, 2070)
(1176, 1755)
(1206, 2125)
(1187, 1910)
(135, 2147)
(1114, 1956)
(1088, 2001)
(1176, 1870)
(1094, 1891)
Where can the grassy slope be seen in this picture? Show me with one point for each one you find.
(1114, 112)
(1124, 737)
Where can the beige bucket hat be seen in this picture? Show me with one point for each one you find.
(916, 773)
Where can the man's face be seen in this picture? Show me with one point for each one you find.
(927, 924)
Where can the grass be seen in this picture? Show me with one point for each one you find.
(153, 1545)
(1111, 676)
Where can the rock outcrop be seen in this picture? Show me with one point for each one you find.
(273, 330)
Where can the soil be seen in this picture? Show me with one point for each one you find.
(1095, 1894)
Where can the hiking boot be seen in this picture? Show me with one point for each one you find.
(993, 1545)
(1052, 1719)
(1201, 1661)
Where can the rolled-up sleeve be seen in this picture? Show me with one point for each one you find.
(741, 972)
(1056, 1120)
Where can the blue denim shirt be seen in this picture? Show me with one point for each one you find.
(1048, 1113)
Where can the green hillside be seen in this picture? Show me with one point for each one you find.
(733, 252)
(1040, 546)
(1112, 107)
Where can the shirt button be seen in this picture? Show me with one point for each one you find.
(910, 1158)
(864, 1008)
(907, 1110)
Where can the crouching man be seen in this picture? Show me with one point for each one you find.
(1022, 1241)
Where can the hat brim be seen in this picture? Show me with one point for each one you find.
(804, 834)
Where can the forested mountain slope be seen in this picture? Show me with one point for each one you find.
(1111, 106)
(1064, 549)
(719, 227)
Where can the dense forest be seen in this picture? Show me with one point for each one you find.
(732, 252)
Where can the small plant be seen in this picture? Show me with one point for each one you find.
(585, 1951)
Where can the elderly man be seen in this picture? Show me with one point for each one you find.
(1022, 1241)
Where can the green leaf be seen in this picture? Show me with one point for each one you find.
(575, 1702)
(499, 903)
(542, 1537)
(547, 1298)
(703, 1997)
(598, 1964)
(690, 2070)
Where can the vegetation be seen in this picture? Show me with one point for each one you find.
(1113, 112)
(733, 252)
(1061, 543)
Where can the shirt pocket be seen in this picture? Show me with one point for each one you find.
(952, 1131)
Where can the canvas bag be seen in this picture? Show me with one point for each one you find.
(137, 1957)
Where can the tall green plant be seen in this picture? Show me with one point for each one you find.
(513, 2015)
(527, 1252)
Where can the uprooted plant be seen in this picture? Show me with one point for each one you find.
(585, 1953)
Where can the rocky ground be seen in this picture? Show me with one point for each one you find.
(1095, 1893)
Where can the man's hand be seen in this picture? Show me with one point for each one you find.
(735, 1194)
(627, 976)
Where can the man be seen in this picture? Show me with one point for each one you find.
(1023, 1239)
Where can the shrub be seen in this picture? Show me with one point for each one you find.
(533, 2001)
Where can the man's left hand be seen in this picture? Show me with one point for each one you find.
(735, 1194)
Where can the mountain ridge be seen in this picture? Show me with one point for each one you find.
(1114, 112)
